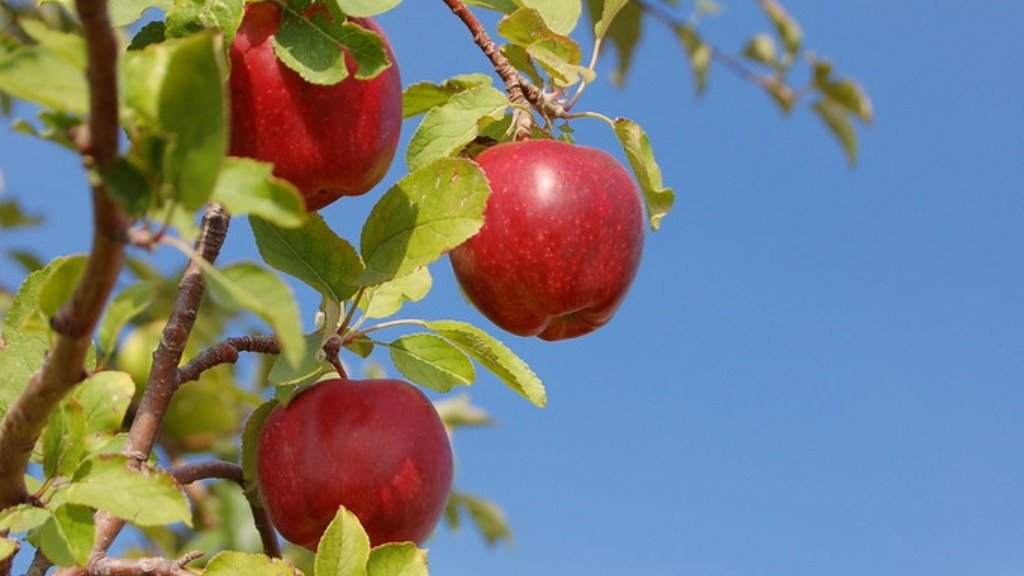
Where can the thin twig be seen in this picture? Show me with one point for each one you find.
(189, 473)
(74, 324)
(226, 352)
(163, 377)
(105, 566)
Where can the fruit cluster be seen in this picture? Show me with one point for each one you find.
(561, 242)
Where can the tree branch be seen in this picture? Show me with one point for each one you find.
(520, 91)
(105, 566)
(74, 323)
(163, 377)
(226, 352)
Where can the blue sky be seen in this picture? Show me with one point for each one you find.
(817, 371)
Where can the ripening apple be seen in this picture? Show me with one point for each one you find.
(377, 447)
(561, 241)
(329, 141)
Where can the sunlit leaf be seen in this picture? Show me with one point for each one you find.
(363, 8)
(310, 46)
(432, 361)
(641, 159)
(67, 537)
(397, 559)
(246, 186)
(419, 98)
(122, 308)
(447, 128)
(387, 299)
(232, 563)
(422, 217)
(494, 356)
(344, 548)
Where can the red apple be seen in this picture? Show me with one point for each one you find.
(329, 141)
(376, 447)
(561, 241)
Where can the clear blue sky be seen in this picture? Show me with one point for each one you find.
(818, 371)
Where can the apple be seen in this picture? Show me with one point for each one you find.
(561, 241)
(376, 447)
(329, 141)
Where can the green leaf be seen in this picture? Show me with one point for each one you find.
(699, 53)
(387, 299)
(397, 559)
(250, 442)
(431, 361)
(57, 289)
(7, 547)
(104, 398)
(344, 548)
(761, 48)
(364, 8)
(247, 285)
(457, 412)
(560, 15)
(231, 563)
(310, 47)
(67, 537)
(837, 120)
(22, 518)
(50, 73)
(21, 354)
(641, 159)
(494, 356)
(449, 127)
(177, 90)
(422, 217)
(129, 186)
(125, 12)
(487, 516)
(152, 33)
(311, 368)
(11, 216)
(421, 97)
(622, 23)
(190, 16)
(313, 253)
(147, 497)
(246, 186)
(128, 304)
(521, 61)
(63, 440)
(560, 59)
(609, 10)
(785, 26)
(503, 6)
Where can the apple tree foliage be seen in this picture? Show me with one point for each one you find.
(104, 355)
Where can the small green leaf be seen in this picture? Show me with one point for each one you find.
(837, 120)
(312, 253)
(247, 285)
(246, 186)
(761, 49)
(560, 59)
(364, 8)
(311, 368)
(787, 28)
(22, 518)
(641, 159)
(457, 411)
(486, 515)
(250, 442)
(231, 563)
(421, 97)
(387, 299)
(11, 216)
(129, 186)
(560, 15)
(503, 6)
(186, 17)
(63, 440)
(397, 559)
(699, 53)
(447, 128)
(494, 356)
(126, 305)
(432, 361)
(609, 10)
(147, 497)
(344, 548)
(177, 90)
(152, 33)
(67, 537)
(422, 217)
(105, 397)
(60, 285)
(310, 46)
(50, 73)
(7, 547)
(520, 60)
